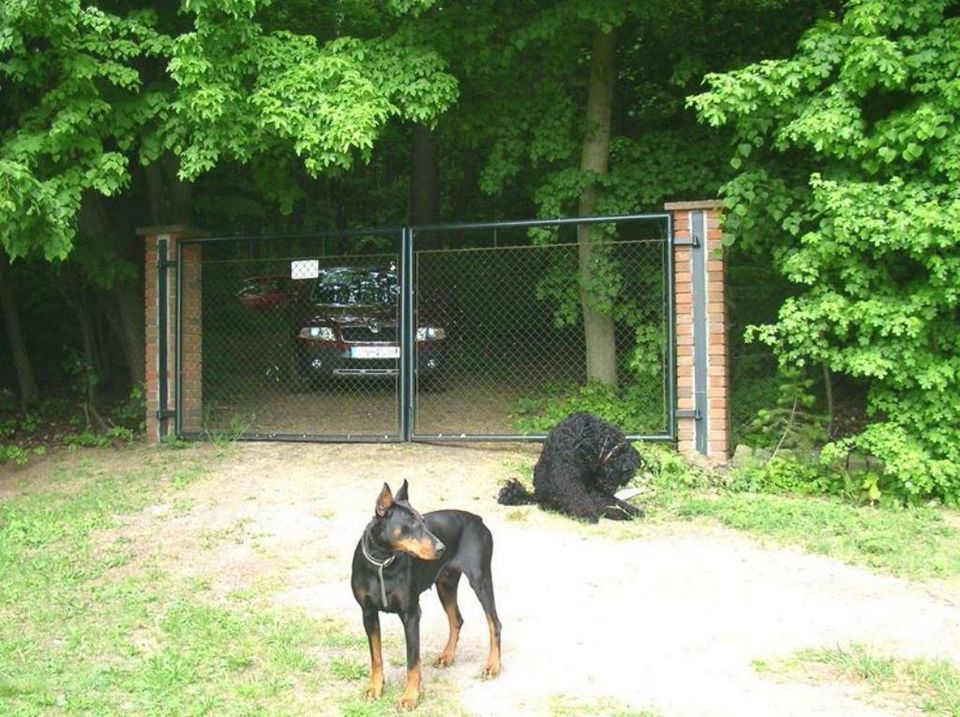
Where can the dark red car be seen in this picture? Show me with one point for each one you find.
(351, 328)
(269, 292)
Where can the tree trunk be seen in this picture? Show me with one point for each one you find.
(90, 378)
(129, 302)
(18, 348)
(125, 314)
(425, 185)
(598, 328)
(170, 199)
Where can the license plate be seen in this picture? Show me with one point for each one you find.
(375, 352)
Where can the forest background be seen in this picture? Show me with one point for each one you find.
(830, 130)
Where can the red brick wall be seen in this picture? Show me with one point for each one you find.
(151, 372)
(683, 320)
(191, 378)
(717, 420)
(718, 372)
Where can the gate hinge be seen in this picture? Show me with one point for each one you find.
(693, 240)
(165, 263)
(163, 414)
(693, 413)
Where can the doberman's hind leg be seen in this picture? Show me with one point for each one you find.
(482, 585)
(371, 624)
(447, 585)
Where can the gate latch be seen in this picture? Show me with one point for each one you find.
(693, 240)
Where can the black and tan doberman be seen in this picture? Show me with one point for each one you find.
(401, 554)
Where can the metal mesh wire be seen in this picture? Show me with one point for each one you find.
(301, 337)
(515, 338)
(262, 375)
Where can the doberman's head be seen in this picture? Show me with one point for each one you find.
(398, 526)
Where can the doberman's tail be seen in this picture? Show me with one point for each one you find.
(515, 493)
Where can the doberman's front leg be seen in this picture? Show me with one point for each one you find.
(411, 630)
(371, 623)
(447, 591)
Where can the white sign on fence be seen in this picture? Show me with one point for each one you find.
(304, 269)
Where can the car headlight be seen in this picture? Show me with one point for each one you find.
(431, 333)
(317, 333)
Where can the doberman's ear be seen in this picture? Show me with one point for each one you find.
(384, 501)
(402, 493)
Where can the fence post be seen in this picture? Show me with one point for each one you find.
(173, 336)
(703, 415)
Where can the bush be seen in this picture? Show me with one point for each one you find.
(785, 473)
(905, 468)
(848, 153)
(630, 407)
(23, 433)
(791, 421)
(664, 470)
(13, 454)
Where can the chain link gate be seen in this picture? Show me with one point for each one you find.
(362, 336)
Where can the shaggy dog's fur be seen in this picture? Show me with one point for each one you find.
(583, 462)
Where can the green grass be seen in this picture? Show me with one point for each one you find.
(88, 628)
(910, 542)
(931, 686)
(349, 669)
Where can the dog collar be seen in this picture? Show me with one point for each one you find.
(379, 565)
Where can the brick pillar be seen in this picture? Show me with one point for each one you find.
(189, 382)
(703, 417)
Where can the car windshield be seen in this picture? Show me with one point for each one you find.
(350, 286)
(255, 286)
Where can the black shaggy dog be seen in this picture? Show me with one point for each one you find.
(583, 462)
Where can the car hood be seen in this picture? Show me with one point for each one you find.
(353, 315)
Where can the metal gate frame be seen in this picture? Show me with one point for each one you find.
(407, 393)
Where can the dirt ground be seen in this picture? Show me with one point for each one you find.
(665, 617)
(464, 407)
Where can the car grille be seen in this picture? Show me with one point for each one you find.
(363, 334)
